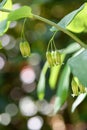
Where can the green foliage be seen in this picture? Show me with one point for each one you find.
(22, 12)
(78, 66)
(42, 82)
(68, 19)
(4, 24)
(63, 88)
(79, 23)
(76, 22)
(2, 3)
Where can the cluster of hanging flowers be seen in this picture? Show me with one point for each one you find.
(77, 87)
(53, 55)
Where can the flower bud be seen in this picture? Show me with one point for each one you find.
(58, 57)
(25, 49)
(82, 88)
(53, 58)
(49, 58)
(75, 88)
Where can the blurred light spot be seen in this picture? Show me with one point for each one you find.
(57, 11)
(40, 28)
(16, 93)
(44, 107)
(35, 9)
(16, 6)
(27, 106)
(2, 61)
(35, 123)
(13, 24)
(27, 75)
(11, 109)
(8, 42)
(35, 59)
(5, 40)
(5, 119)
(58, 123)
(29, 87)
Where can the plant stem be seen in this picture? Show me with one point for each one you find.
(5, 10)
(61, 29)
(56, 26)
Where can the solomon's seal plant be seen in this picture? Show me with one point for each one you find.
(71, 24)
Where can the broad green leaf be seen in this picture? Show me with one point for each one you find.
(78, 66)
(3, 3)
(22, 12)
(68, 18)
(63, 87)
(4, 15)
(4, 24)
(54, 73)
(79, 23)
(41, 83)
(78, 100)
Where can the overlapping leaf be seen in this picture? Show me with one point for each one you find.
(63, 87)
(76, 21)
(4, 24)
(41, 83)
(78, 65)
(22, 12)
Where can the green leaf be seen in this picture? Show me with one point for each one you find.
(41, 83)
(68, 18)
(79, 23)
(78, 100)
(3, 3)
(54, 73)
(63, 87)
(78, 66)
(4, 24)
(22, 12)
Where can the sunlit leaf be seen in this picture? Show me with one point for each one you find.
(78, 100)
(4, 24)
(22, 12)
(78, 66)
(79, 23)
(63, 87)
(41, 83)
(68, 18)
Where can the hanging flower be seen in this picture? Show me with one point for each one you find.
(25, 49)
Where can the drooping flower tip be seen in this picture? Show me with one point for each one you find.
(53, 58)
(25, 49)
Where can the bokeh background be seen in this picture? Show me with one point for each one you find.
(20, 108)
